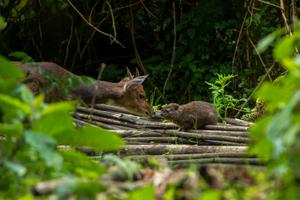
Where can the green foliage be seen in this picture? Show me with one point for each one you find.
(221, 99)
(30, 132)
(276, 135)
(146, 193)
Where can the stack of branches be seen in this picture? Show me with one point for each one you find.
(145, 137)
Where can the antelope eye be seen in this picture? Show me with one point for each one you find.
(141, 96)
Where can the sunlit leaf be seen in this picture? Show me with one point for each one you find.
(53, 123)
(284, 49)
(97, 138)
(211, 194)
(60, 107)
(145, 193)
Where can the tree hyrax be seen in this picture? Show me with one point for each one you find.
(191, 115)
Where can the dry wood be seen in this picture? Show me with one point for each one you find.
(226, 127)
(159, 149)
(88, 122)
(216, 142)
(47, 187)
(221, 132)
(188, 156)
(174, 140)
(136, 121)
(138, 133)
(206, 136)
(115, 109)
(249, 161)
(238, 122)
(93, 118)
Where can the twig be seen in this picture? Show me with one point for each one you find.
(286, 24)
(136, 52)
(148, 10)
(270, 4)
(68, 44)
(96, 86)
(112, 18)
(256, 88)
(240, 33)
(260, 58)
(113, 39)
(174, 48)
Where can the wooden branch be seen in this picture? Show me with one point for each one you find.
(238, 122)
(112, 38)
(160, 140)
(226, 127)
(190, 156)
(159, 149)
(221, 132)
(94, 118)
(249, 161)
(116, 109)
(47, 187)
(206, 136)
(122, 119)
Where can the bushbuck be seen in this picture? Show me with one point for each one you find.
(195, 114)
(54, 79)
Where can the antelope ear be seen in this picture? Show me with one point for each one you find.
(135, 82)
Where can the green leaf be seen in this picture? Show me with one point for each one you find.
(91, 136)
(146, 193)
(11, 129)
(128, 166)
(59, 107)
(269, 93)
(191, 33)
(284, 49)
(13, 108)
(268, 40)
(19, 169)
(9, 70)
(82, 165)
(22, 56)
(2, 23)
(53, 123)
(45, 146)
(26, 95)
(211, 194)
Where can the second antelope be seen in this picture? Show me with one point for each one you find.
(128, 93)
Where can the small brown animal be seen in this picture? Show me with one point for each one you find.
(195, 114)
(128, 93)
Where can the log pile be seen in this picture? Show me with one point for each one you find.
(221, 143)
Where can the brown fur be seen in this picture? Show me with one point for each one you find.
(127, 93)
(195, 114)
